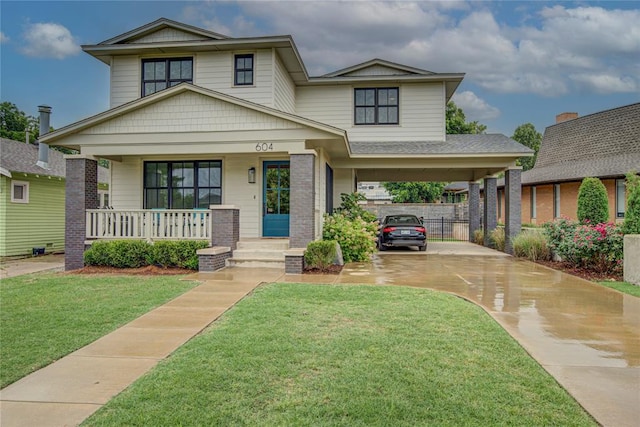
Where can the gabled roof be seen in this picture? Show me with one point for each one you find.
(396, 69)
(160, 24)
(604, 144)
(56, 135)
(19, 157)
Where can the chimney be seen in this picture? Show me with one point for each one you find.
(563, 117)
(43, 149)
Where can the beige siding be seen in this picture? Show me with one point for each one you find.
(39, 223)
(214, 70)
(343, 182)
(169, 35)
(125, 79)
(126, 183)
(191, 112)
(238, 192)
(377, 70)
(284, 90)
(422, 109)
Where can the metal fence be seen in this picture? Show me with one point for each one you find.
(444, 229)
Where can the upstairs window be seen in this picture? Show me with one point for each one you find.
(243, 70)
(19, 192)
(159, 74)
(376, 106)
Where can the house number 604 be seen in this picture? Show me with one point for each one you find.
(264, 147)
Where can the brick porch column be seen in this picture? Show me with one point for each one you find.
(490, 208)
(225, 226)
(474, 208)
(513, 207)
(302, 204)
(81, 193)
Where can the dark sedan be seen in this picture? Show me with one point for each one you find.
(402, 230)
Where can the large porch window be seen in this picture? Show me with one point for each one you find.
(182, 185)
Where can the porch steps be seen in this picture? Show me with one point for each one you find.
(259, 253)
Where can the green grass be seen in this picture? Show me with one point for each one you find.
(301, 355)
(623, 287)
(46, 316)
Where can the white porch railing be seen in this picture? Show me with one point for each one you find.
(149, 224)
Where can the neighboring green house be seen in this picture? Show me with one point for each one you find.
(32, 199)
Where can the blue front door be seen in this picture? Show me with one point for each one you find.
(275, 213)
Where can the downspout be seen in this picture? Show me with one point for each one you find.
(43, 149)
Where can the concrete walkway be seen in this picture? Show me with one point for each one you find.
(71, 389)
(18, 267)
(585, 335)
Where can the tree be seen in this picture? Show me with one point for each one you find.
(457, 122)
(415, 192)
(632, 215)
(593, 204)
(14, 123)
(528, 136)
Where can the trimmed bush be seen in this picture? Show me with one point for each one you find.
(593, 204)
(320, 254)
(177, 253)
(497, 238)
(632, 214)
(118, 253)
(531, 245)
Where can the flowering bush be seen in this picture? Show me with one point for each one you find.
(357, 237)
(596, 247)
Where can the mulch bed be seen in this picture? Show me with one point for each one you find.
(334, 269)
(150, 270)
(584, 273)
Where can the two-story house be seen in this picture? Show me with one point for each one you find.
(230, 138)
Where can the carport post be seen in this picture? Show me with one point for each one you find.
(513, 204)
(474, 209)
(490, 209)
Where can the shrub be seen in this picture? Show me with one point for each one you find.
(598, 247)
(177, 253)
(478, 237)
(118, 253)
(632, 214)
(593, 204)
(350, 208)
(497, 238)
(356, 237)
(559, 235)
(320, 254)
(531, 245)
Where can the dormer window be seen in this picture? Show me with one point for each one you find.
(376, 106)
(159, 74)
(243, 70)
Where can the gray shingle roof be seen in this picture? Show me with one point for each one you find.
(603, 144)
(454, 144)
(16, 156)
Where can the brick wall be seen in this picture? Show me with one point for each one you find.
(81, 193)
(225, 226)
(458, 211)
(302, 219)
(212, 262)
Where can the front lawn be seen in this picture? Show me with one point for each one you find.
(46, 316)
(624, 287)
(299, 354)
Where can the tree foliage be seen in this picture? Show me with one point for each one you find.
(527, 135)
(632, 214)
(457, 121)
(593, 203)
(415, 192)
(14, 123)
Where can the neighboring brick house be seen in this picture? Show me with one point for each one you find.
(605, 145)
(32, 199)
(204, 127)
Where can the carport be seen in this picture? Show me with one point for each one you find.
(471, 158)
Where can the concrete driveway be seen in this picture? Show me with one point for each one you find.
(585, 335)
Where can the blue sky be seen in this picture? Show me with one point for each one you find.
(525, 61)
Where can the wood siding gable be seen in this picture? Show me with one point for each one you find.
(168, 35)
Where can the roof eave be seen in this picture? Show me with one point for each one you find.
(453, 78)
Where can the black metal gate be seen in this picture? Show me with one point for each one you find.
(444, 229)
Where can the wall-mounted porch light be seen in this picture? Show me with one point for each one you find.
(252, 175)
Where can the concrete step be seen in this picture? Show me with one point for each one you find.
(281, 244)
(255, 263)
(259, 254)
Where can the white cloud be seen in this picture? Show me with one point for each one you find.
(475, 108)
(49, 40)
(3, 37)
(551, 51)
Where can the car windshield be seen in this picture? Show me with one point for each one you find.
(402, 220)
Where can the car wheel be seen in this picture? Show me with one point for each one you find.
(422, 248)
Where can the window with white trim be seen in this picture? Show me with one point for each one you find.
(376, 106)
(243, 70)
(159, 74)
(556, 200)
(19, 192)
(621, 198)
(534, 209)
